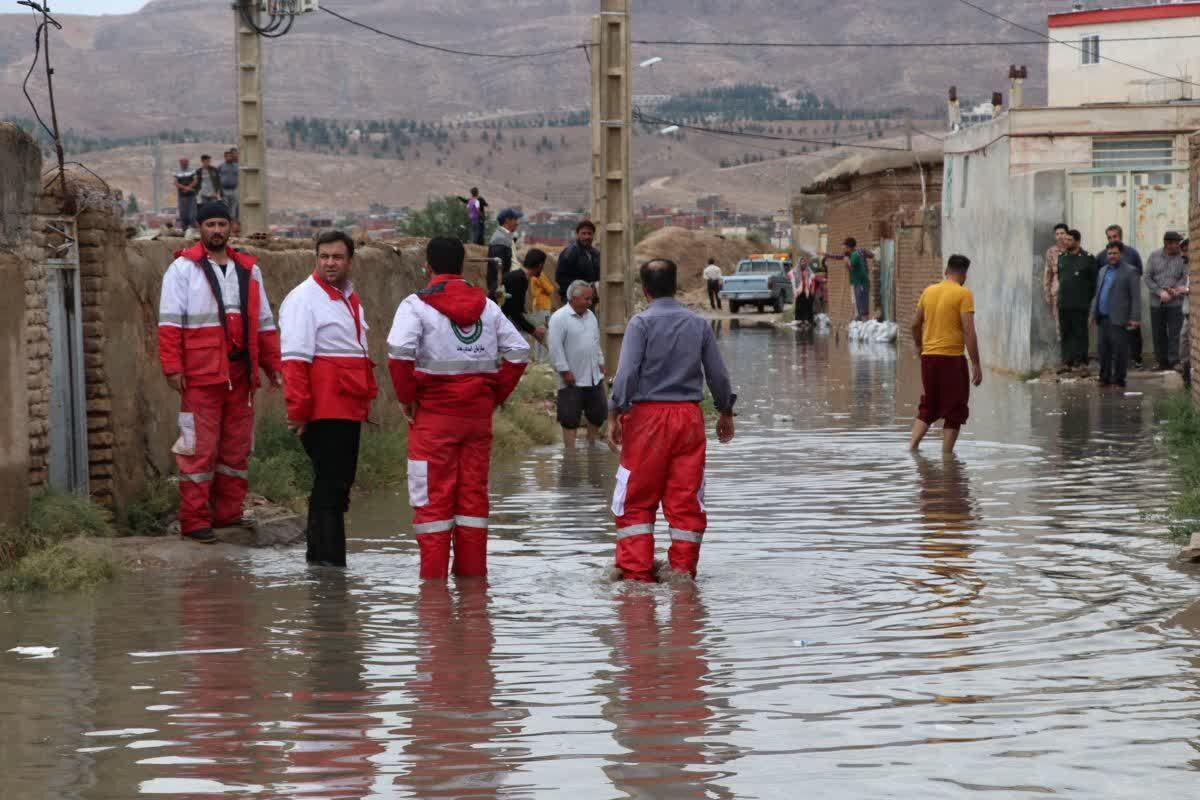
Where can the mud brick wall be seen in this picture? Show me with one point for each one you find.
(918, 262)
(1194, 261)
(865, 207)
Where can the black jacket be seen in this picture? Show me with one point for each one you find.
(516, 286)
(576, 263)
(499, 247)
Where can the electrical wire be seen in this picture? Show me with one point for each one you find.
(823, 45)
(450, 50)
(642, 116)
(37, 52)
(1050, 38)
(930, 135)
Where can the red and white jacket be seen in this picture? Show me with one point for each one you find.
(453, 352)
(191, 339)
(327, 368)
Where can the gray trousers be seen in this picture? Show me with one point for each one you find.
(1113, 343)
(230, 196)
(1166, 323)
(187, 211)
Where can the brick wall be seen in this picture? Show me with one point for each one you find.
(37, 361)
(865, 207)
(918, 262)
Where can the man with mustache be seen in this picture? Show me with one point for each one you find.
(215, 331)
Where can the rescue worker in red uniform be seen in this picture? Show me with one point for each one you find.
(330, 382)
(656, 424)
(453, 357)
(215, 330)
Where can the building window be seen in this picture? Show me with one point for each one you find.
(1132, 154)
(965, 177)
(1089, 47)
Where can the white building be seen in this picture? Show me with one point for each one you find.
(1110, 147)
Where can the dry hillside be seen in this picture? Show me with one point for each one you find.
(170, 65)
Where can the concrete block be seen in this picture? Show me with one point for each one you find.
(100, 470)
(93, 329)
(100, 439)
(38, 477)
(98, 422)
(100, 405)
(94, 344)
(96, 391)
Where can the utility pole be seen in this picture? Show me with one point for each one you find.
(908, 131)
(612, 170)
(251, 136)
(156, 181)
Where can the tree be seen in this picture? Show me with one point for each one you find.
(445, 216)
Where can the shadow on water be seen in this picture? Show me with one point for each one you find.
(866, 624)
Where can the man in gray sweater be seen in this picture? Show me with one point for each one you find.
(1167, 280)
(1117, 308)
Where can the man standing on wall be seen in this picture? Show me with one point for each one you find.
(228, 172)
(185, 195)
(501, 249)
(1133, 258)
(1076, 280)
(215, 330)
(860, 279)
(1050, 274)
(330, 385)
(944, 325)
(208, 181)
(656, 424)
(1116, 311)
(454, 358)
(1167, 280)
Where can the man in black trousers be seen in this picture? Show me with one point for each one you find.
(328, 384)
(1116, 312)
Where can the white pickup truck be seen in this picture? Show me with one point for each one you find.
(760, 280)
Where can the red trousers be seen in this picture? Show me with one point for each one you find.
(448, 460)
(662, 461)
(212, 481)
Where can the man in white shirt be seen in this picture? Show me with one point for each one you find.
(577, 357)
(712, 279)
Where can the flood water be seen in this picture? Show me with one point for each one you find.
(1007, 623)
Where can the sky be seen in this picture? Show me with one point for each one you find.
(81, 7)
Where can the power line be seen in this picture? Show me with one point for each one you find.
(801, 45)
(642, 116)
(930, 135)
(1049, 38)
(449, 50)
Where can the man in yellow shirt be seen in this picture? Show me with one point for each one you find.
(945, 323)
(541, 294)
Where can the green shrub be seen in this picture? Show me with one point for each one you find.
(54, 517)
(382, 458)
(147, 515)
(16, 543)
(279, 468)
(1181, 433)
(61, 567)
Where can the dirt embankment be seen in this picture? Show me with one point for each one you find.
(690, 250)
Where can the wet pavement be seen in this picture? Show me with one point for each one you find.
(866, 625)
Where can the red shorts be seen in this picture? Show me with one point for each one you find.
(946, 381)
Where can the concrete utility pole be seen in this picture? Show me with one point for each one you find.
(156, 180)
(612, 170)
(908, 131)
(252, 140)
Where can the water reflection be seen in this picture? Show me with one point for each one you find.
(453, 748)
(659, 704)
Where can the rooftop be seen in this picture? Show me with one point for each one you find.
(1106, 16)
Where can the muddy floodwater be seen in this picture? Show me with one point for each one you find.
(1006, 624)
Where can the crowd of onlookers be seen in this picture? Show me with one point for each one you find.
(195, 187)
(1104, 292)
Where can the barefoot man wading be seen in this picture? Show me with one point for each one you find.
(656, 424)
(945, 322)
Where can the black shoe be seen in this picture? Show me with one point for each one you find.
(243, 521)
(201, 535)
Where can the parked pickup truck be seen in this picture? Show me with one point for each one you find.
(760, 280)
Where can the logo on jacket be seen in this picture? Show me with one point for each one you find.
(468, 335)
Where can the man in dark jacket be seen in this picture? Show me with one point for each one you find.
(500, 249)
(579, 261)
(1134, 259)
(1116, 310)
(516, 286)
(1076, 287)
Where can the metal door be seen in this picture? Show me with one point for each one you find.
(887, 278)
(1145, 203)
(68, 384)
